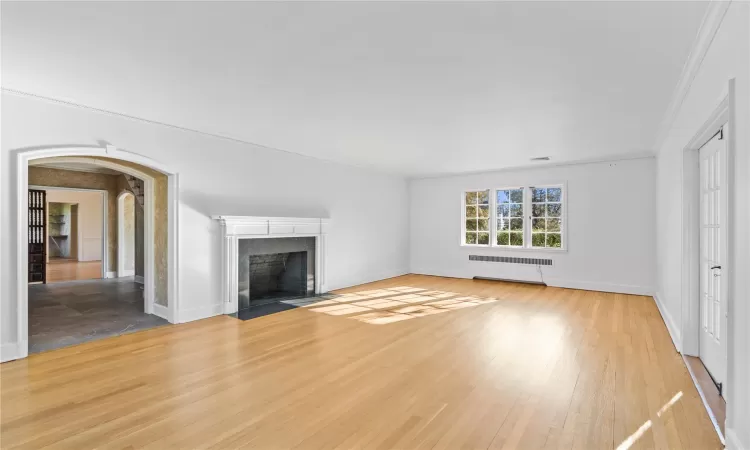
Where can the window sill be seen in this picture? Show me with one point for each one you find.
(517, 249)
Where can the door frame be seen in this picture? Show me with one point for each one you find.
(24, 156)
(690, 313)
(105, 226)
(121, 272)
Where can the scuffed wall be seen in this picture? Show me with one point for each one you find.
(161, 227)
(129, 233)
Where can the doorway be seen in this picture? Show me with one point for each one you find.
(126, 231)
(76, 224)
(713, 241)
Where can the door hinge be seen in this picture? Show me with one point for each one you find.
(721, 134)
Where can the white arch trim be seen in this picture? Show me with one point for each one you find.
(26, 157)
(121, 272)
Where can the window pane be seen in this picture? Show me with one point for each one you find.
(483, 238)
(503, 224)
(537, 239)
(516, 239)
(471, 224)
(553, 240)
(471, 238)
(537, 225)
(471, 211)
(554, 194)
(503, 210)
(516, 224)
(553, 225)
(484, 211)
(554, 209)
(516, 210)
(471, 198)
(537, 210)
(539, 195)
(502, 197)
(483, 197)
(483, 224)
(503, 238)
(516, 196)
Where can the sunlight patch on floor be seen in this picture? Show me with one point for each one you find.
(627, 443)
(382, 306)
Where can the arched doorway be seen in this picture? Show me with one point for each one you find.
(127, 163)
(125, 234)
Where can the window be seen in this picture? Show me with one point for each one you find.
(515, 217)
(510, 217)
(546, 217)
(477, 217)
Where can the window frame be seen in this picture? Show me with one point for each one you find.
(527, 218)
(463, 217)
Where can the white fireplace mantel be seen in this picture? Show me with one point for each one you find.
(234, 228)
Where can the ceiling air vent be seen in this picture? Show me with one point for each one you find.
(511, 260)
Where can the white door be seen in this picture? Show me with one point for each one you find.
(713, 204)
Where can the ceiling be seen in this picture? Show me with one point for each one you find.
(75, 166)
(415, 88)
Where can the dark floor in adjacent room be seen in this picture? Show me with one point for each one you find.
(69, 313)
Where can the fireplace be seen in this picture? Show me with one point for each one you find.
(267, 259)
(273, 269)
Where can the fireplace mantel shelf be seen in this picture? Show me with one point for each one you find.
(234, 228)
(272, 226)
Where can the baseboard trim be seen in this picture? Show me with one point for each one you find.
(674, 332)
(733, 441)
(12, 351)
(110, 275)
(369, 279)
(163, 312)
(138, 279)
(629, 289)
(190, 315)
(126, 273)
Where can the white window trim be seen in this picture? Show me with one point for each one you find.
(462, 237)
(526, 216)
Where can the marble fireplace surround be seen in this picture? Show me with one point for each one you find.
(234, 228)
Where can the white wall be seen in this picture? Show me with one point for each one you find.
(611, 234)
(728, 57)
(368, 211)
(89, 220)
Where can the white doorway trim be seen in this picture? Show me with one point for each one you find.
(24, 157)
(105, 225)
(121, 272)
(691, 236)
(722, 116)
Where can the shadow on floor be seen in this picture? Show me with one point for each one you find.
(74, 312)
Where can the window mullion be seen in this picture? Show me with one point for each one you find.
(493, 217)
(527, 217)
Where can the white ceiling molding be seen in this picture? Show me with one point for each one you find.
(715, 13)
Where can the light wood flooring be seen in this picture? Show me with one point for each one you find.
(69, 270)
(538, 368)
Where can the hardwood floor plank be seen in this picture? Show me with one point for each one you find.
(537, 368)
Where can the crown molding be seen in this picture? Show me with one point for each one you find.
(715, 13)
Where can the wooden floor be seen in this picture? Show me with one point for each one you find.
(69, 270)
(539, 368)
